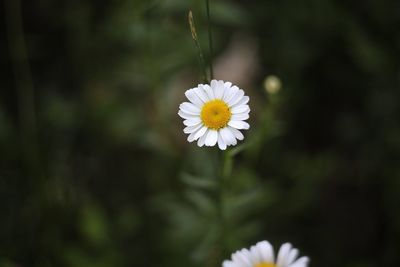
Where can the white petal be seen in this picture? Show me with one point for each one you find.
(191, 136)
(214, 85)
(196, 134)
(192, 96)
(246, 255)
(200, 132)
(266, 251)
(234, 140)
(218, 89)
(201, 93)
(192, 122)
(227, 85)
(255, 255)
(228, 136)
(240, 109)
(221, 143)
(189, 108)
(191, 129)
(283, 255)
(238, 135)
(185, 115)
(224, 89)
(236, 98)
(245, 99)
(209, 91)
(301, 262)
(228, 264)
(230, 93)
(241, 258)
(292, 255)
(212, 137)
(202, 140)
(239, 125)
(240, 117)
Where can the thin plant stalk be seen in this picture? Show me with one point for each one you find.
(210, 42)
(197, 44)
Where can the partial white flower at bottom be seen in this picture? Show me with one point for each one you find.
(215, 114)
(262, 255)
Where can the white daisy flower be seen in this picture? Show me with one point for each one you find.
(262, 255)
(215, 114)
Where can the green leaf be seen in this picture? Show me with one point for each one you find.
(198, 182)
(201, 200)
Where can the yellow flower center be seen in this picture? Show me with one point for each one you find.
(216, 115)
(265, 264)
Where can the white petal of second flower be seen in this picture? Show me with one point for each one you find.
(301, 262)
(242, 257)
(239, 125)
(292, 255)
(255, 255)
(228, 264)
(266, 251)
(282, 259)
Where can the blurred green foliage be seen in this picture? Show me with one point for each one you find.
(108, 179)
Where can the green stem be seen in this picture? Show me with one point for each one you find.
(228, 164)
(225, 170)
(210, 42)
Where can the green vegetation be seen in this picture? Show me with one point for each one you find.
(95, 170)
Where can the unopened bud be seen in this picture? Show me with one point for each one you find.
(272, 84)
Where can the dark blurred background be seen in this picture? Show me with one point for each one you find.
(96, 171)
